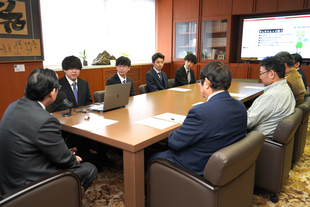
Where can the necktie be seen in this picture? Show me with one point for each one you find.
(75, 93)
(188, 76)
(160, 77)
(124, 81)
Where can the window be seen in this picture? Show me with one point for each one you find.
(70, 26)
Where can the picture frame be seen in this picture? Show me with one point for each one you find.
(21, 31)
(221, 57)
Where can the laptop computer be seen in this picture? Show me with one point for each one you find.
(115, 96)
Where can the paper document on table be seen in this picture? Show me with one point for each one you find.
(95, 123)
(171, 117)
(255, 87)
(198, 103)
(179, 89)
(156, 123)
(237, 95)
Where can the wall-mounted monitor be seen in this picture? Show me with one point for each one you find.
(267, 36)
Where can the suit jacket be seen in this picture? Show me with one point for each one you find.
(303, 76)
(154, 83)
(115, 80)
(180, 77)
(31, 145)
(208, 127)
(84, 96)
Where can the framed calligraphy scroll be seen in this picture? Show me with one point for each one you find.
(20, 30)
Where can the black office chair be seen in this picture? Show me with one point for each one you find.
(99, 96)
(143, 89)
(61, 189)
(171, 83)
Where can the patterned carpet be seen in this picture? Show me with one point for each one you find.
(107, 189)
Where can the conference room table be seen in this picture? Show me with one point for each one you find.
(134, 137)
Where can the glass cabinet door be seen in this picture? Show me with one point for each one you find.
(214, 39)
(185, 38)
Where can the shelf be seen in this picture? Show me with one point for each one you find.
(213, 47)
(214, 32)
(187, 33)
(187, 46)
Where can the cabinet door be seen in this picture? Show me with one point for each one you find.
(262, 6)
(185, 38)
(242, 7)
(287, 5)
(216, 7)
(214, 39)
(185, 9)
(238, 70)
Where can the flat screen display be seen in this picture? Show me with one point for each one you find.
(267, 36)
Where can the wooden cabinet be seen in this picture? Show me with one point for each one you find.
(184, 9)
(264, 6)
(242, 6)
(241, 70)
(185, 38)
(268, 6)
(288, 5)
(214, 39)
(216, 8)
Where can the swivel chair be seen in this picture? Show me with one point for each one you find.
(274, 160)
(228, 178)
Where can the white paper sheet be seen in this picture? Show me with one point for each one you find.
(255, 87)
(179, 89)
(237, 95)
(156, 123)
(171, 117)
(95, 123)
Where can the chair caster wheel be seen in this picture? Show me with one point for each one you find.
(274, 199)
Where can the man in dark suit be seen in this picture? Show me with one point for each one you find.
(210, 126)
(78, 93)
(155, 78)
(185, 75)
(122, 66)
(31, 145)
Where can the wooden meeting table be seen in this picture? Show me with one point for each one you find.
(133, 138)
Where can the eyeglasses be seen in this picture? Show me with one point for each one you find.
(199, 81)
(262, 73)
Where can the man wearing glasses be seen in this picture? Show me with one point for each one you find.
(277, 101)
(209, 126)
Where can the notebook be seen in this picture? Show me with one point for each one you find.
(115, 96)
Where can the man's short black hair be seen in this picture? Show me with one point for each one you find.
(274, 63)
(191, 57)
(286, 57)
(297, 58)
(156, 56)
(40, 83)
(218, 74)
(122, 60)
(71, 62)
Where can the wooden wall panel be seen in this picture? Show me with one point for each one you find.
(12, 83)
(211, 8)
(238, 70)
(184, 9)
(163, 28)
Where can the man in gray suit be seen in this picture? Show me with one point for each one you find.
(155, 78)
(31, 145)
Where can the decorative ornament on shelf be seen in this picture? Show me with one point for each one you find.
(103, 58)
(123, 54)
(83, 56)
